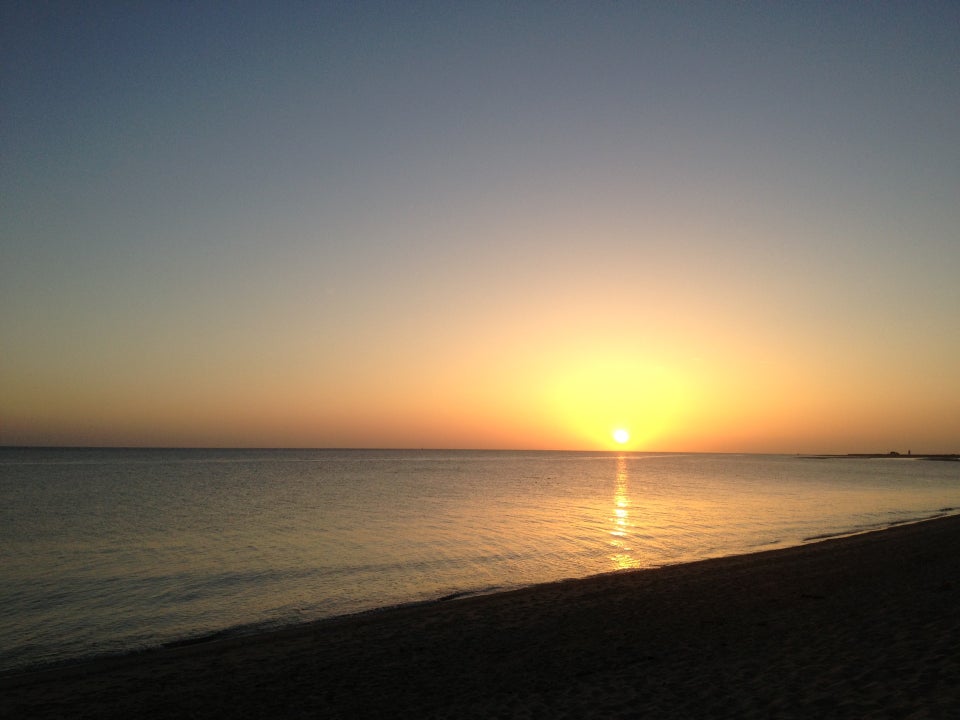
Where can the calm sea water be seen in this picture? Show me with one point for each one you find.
(105, 551)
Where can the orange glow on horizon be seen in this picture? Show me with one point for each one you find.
(601, 397)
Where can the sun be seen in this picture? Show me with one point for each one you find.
(621, 435)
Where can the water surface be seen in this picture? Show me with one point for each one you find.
(112, 550)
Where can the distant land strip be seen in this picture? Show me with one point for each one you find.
(892, 454)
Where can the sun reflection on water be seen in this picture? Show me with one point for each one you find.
(621, 533)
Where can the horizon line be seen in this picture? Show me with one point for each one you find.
(891, 453)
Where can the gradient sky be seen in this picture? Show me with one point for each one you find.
(723, 226)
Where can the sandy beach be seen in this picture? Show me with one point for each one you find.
(857, 627)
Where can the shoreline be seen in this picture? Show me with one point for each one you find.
(945, 457)
(266, 629)
(859, 625)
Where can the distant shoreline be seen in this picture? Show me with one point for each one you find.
(887, 456)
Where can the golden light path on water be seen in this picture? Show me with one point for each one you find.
(622, 525)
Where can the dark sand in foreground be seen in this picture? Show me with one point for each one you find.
(859, 627)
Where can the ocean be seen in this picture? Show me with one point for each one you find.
(108, 551)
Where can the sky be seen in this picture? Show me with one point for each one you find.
(721, 227)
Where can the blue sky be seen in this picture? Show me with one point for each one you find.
(410, 223)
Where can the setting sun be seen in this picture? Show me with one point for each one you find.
(621, 435)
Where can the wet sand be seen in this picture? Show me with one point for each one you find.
(858, 627)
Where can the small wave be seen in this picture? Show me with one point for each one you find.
(200, 639)
(777, 541)
(943, 512)
(469, 593)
